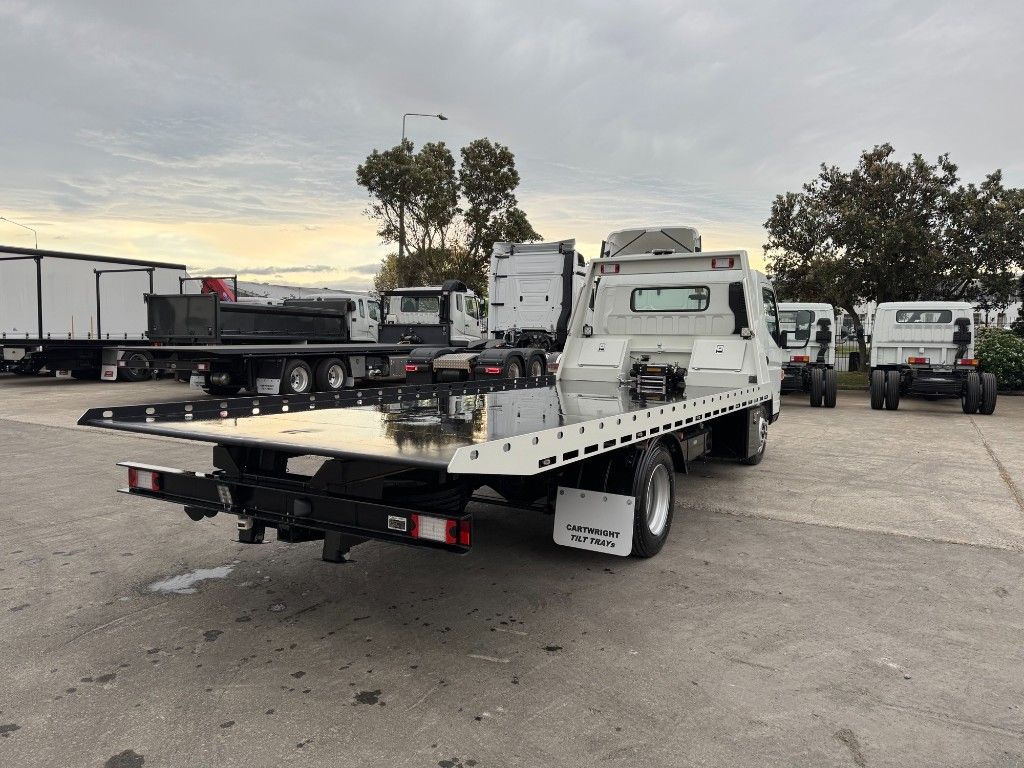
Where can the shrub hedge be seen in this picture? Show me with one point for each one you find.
(1002, 352)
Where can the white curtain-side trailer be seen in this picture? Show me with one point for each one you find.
(59, 310)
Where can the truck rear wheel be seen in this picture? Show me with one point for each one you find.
(877, 389)
(513, 369)
(892, 390)
(988, 394)
(817, 387)
(831, 387)
(297, 378)
(536, 367)
(330, 375)
(135, 374)
(762, 434)
(970, 398)
(654, 490)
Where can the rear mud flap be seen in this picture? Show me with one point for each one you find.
(600, 522)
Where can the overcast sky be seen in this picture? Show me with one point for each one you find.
(226, 135)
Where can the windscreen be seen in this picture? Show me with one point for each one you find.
(924, 316)
(691, 298)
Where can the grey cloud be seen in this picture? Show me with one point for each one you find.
(641, 111)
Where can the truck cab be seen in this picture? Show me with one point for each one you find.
(926, 349)
(448, 313)
(531, 290)
(809, 367)
(708, 318)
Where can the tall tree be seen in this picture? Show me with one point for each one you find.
(443, 239)
(889, 231)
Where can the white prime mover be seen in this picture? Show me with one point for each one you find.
(668, 359)
(812, 367)
(531, 288)
(59, 310)
(926, 349)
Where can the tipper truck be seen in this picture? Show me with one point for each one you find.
(306, 345)
(667, 362)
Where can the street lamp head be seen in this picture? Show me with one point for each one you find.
(441, 117)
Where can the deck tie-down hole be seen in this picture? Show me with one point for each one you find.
(506, 447)
(560, 434)
(535, 440)
(582, 430)
(473, 455)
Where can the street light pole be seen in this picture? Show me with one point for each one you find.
(401, 199)
(34, 233)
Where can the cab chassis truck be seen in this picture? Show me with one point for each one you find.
(599, 444)
(926, 349)
(813, 370)
(304, 346)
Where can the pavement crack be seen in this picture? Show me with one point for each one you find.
(1014, 490)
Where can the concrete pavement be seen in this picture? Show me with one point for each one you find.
(856, 599)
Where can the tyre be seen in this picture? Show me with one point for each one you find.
(330, 375)
(817, 387)
(877, 389)
(135, 374)
(970, 396)
(762, 431)
(892, 390)
(988, 394)
(513, 369)
(537, 366)
(831, 387)
(218, 390)
(297, 378)
(654, 489)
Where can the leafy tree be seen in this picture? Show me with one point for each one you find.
(889, 231)
(443, 239)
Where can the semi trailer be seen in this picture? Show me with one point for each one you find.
(531, 288)
(667, 362)
(305, 345)
(810, 368)
(59, 310)
(926, 349)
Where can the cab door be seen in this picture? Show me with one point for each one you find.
(771, 332)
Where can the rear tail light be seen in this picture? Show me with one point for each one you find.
(918, 360)
(492, 370)
(553, 366)
(969, 361)
(411, 368)
(202, 367)
(441, 529)
(143, 479)
(725, 262)
(800, 359)
(609, 269)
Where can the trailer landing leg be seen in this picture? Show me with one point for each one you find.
(337, 546)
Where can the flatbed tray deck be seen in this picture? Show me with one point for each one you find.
(508, 427)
